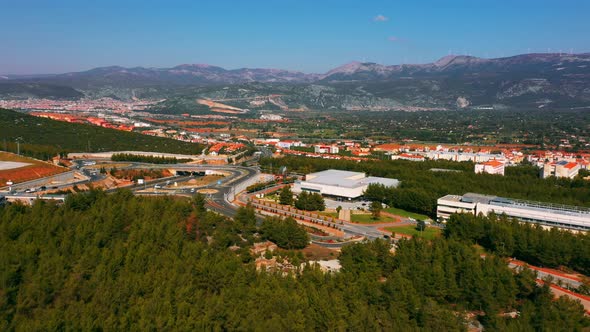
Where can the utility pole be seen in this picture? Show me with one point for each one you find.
(18, 140)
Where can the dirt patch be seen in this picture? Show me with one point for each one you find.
(316, 252)
(198, 182)
(34, 169)
(207, 191)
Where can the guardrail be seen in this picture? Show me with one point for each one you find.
(241, 186)
(289, 211)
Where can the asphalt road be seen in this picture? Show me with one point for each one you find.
(543, 275)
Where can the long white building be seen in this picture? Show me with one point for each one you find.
(545, 214)
(338, 183)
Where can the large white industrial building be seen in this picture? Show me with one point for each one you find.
(338, 183)
(545, 214)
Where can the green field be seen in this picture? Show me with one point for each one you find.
(406, 214)
(366, 219)
(328, 214)
(429, 233)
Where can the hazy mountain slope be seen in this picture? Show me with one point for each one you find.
(9, 89)
(529, 80)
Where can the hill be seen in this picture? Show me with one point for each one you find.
(528, 80)
(18, 90)
(43, 138)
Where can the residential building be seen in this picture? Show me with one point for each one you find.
(463, 156)
(260, 248)
(326, 149)
(560, 169)
(288, 144)
(407, 156)
(491, 167)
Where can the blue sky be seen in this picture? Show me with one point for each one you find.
(311, 36)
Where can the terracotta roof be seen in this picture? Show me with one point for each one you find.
(493, 163)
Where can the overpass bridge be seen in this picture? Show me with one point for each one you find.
(30, 198)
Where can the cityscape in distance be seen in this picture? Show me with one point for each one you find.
(295, 166)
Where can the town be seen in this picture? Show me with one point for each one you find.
(295, 166)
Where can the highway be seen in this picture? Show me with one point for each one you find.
(216, 201)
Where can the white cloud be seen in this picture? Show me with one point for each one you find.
(380, 18)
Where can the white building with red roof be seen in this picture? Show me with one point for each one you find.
(560, 169)
(491, 167)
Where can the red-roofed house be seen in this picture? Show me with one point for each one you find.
(491, 167)
(561, 169)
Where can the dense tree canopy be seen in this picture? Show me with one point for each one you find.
(286, 196)
(525, 241)
(310, 202)
(120, 262)
(146, 159)
(44, 138)
(285, 233)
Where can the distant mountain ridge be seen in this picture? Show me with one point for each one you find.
(210, 74)
(532, 80)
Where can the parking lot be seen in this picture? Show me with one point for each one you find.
(348, 205)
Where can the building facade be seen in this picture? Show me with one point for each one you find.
(545, 214)
(490, 167)
(560, 169)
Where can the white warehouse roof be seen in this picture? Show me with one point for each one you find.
(341, 183)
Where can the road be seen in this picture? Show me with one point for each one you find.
(544, 273)
(351, 229)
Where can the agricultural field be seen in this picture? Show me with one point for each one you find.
(19, 169)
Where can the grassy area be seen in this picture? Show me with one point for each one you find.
(367, 219)
(198, 182)
(429, 233)
(328, 214)
(406, 214)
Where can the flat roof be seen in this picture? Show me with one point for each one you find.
(348, 179)
(518, 203)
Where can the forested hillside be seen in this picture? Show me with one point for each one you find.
(420, 187)
(120, 262)
(42, 138)
(530, 243)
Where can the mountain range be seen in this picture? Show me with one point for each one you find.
(528, 79)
